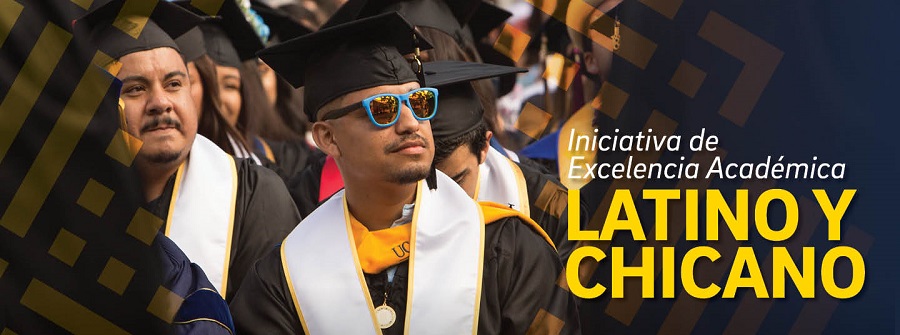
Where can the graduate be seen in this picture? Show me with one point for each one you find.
(224, 213)
(289, 145)
(203, 310)
(402, 249)
(231, 43)
(205, 93)
(462, 151)
(446, 25)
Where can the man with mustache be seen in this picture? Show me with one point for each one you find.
(224, 213)
(402, 249)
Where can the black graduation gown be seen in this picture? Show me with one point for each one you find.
(548, 201)
(304, 186)
(519, 281)
(264, 216)
(290, 156)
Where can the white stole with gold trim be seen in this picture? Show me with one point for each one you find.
(500, 180)
(201, 215)
(446, 258)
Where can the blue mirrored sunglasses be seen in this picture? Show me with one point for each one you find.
(384, 109)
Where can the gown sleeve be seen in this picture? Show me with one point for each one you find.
(520, 292)
(264, 216)
(264, 305)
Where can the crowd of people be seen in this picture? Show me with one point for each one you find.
(354, 167)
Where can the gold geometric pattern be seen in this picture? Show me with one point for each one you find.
(9, 14)
(552, 199)
(164, 304)
(124, 147)
(210, 7)
(107, 63)
(687, 79)
(95, 197)
(65, 312)
(545, 323)
(760, 60)
(116, 275)
(57, 149)
(533, 120)
(610, 100)
(30, 81)
(665, 7)
(3, 265)
(67, 247)
(24, 100)
(561, 70)
(84, 4)
(635, 48)
(133, 16)
(512, 42)
(144, 226)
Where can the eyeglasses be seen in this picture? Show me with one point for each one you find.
(384, 109)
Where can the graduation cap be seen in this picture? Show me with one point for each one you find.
(448, 16)
(118, 30)
(191, 44)
(348, 57)
(282, 26)
(485, 18)
(230, 39)
(460, 107)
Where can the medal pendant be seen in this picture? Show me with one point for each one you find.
(385, 316)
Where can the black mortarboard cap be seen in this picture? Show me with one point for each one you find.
(281, 26)
(460, 108)
(115, 26)
(230, 39)
(191, 44)
(448, 16)
(344, 58)
(485, 18)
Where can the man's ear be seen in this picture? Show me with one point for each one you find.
(482, 156)
(323, 135)
(590, 63)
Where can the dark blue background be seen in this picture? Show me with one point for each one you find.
(833, 96)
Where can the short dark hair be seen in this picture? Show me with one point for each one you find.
(476, 139)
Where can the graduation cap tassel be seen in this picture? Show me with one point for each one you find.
(416, 63)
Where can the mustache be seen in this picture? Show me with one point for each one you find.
(404, 140)
(161, 121)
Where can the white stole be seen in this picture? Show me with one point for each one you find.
(241, 152)
(500, 180)
(201, 214)
(446, 258)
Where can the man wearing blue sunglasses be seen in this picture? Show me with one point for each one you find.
(402, 249)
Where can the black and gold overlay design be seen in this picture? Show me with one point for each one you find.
(683, 65)
(77, 254)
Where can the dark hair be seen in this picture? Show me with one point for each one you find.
(476, 139)
(447, 48)
(289, 106)
(212, 123)
(257, 117)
